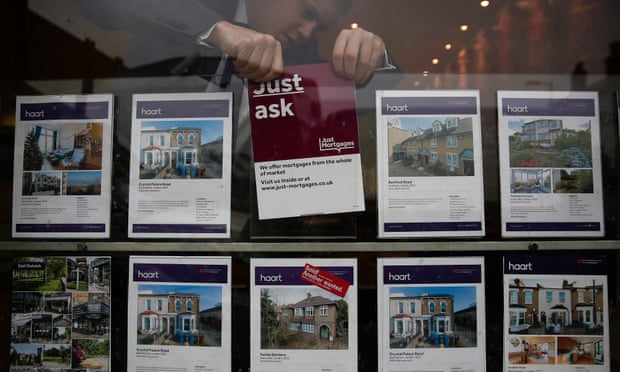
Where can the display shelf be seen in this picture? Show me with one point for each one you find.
(177, 247)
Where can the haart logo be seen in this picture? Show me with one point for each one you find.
(270, 278)
(34, 114)
(516, 109)
(520, 267)
(396, 108)
(151, 112)
(148, 274)
(398, 277)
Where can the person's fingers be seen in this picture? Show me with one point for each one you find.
(369, 55)
(338, 53)
(260, 60)
(256, 56)
(261, 64)
(356, 54)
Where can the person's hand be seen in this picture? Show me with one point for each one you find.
(257, 56)
(357, 53)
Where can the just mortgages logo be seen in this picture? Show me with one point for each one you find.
(330, 144)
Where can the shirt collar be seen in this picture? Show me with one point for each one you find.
(241, 14)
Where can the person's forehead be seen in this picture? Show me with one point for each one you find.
(327, 10)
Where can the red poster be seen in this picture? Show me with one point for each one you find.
(306, 144)
(307, 112)
(325, 280)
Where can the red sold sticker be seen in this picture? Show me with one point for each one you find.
(325, 280)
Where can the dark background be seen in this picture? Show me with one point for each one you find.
(533, 45)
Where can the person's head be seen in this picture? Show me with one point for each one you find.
(293, 22)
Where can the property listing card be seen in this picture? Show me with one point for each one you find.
(556, 316)
(60, 314)
(429, 164)
(62, 168)
(180, 165)
(303, 315)
(306, 144)
(179, 314)
(550, 164)
(431, 314)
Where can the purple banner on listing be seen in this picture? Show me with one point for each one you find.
(215, 108)
(555, 264)
(182, 273)
(180, 229)
(553, 226)
(274, 275)
(61, 228)
(435, 274)
(432, 226)
(548, 107)
(429, 106)
(64, 110)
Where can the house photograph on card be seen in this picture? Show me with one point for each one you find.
(432, 317)
(181, 149)
(431, 147)
(555, 143)
(182, 315)
(303, 318)
(555, 306)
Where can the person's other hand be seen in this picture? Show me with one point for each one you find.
(357, 53)
(257, 56)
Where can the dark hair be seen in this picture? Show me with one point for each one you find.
(344, 5)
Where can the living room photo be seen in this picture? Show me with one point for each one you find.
(63, 147)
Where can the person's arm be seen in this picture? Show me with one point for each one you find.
(160, 30)
(256, 56)
(188, 17)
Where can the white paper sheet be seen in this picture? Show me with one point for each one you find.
(63, 162)
(180, 165)
(550, 164)
(556, 315)
(429, 164)
(303, 315)
(431, 314)
(179, 314)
